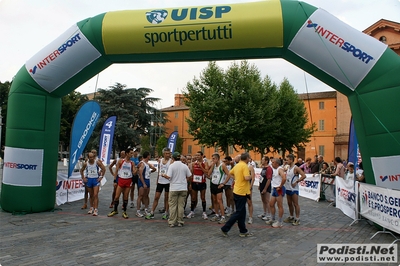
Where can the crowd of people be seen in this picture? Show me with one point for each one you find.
(230, 182)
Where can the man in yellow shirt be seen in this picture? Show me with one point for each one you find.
(241, 191)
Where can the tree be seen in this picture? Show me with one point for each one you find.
(292, 131)
(4, 90)
(228, 108)
(70, 105)
(134, 111)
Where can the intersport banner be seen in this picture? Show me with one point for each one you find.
(82, 128)
(70, 188)
(346, 197)
(106, 139)
(172, 141)
(310, 187)
(380, 205)
(336, 48)
(386, 171)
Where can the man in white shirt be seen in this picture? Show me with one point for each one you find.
(178, 175)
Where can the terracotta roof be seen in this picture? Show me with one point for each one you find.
(318, 95)
(382, 23)
(175, 108)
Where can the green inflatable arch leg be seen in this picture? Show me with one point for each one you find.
(357, 65)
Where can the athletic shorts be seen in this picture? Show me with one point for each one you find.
(92, 182)
(262, 186)
(146, 181)
(292, 192)
(215, 190)
(161, 187)
(227, 187)
(124, 182)
(135, 179)
(277, 193)
(199, 186)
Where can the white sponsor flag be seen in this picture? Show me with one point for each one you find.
(346, 198)
(310, 187)
(380, 205)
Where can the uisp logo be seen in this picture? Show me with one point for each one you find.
(156, 16)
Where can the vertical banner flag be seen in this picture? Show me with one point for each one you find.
(106, 139)
(172, 141)
(353, 154)
(83, 126)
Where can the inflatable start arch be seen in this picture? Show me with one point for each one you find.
(362, 68)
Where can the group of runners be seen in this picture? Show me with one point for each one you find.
(276, 181)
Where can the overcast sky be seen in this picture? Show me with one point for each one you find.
(28, 26)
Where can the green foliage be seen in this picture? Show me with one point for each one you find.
(70, 105)
(238, 107)
(292, 131)
(4, 90)
(134, 111)
(162, 142)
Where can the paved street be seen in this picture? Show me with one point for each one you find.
(69, 236)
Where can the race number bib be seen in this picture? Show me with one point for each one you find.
(125, 173)
(197, 178)
(92, 172)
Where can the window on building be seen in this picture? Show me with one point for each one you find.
(231, 149)
(189, 149)
(175, 128)
(176, 114)
(321, 126)
(382, 39)
(321, 150)
(321, 105)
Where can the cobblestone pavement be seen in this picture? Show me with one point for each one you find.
(69, 236)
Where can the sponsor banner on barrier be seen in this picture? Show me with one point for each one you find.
(69, 190)
(23, 167)
(386, 171)
(72, 189)
(310, 187)
(339, 50)
(380, 205)
(257, 173)
(208, 28)
(62, 59)
(346, 197)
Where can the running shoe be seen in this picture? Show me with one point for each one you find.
(165, 216)
(90, 210)
(205, 217)
(296, 222)
(132, 205)
(250, 220)
(149, 216)
(139, 214)
(289, 220)
(247, 234)
(146, 212)
(215, 218)
(190, 215)
(84, 206)
(277, 224)
(212, 212)
(262, 215)
(95, 212)
(162, 210)
(267, 218)
(171, 225)
(112, 213)
(222, 220)
(224, 234)
(180, 224)
(125, 215)
(228, 214)
(270, 222)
